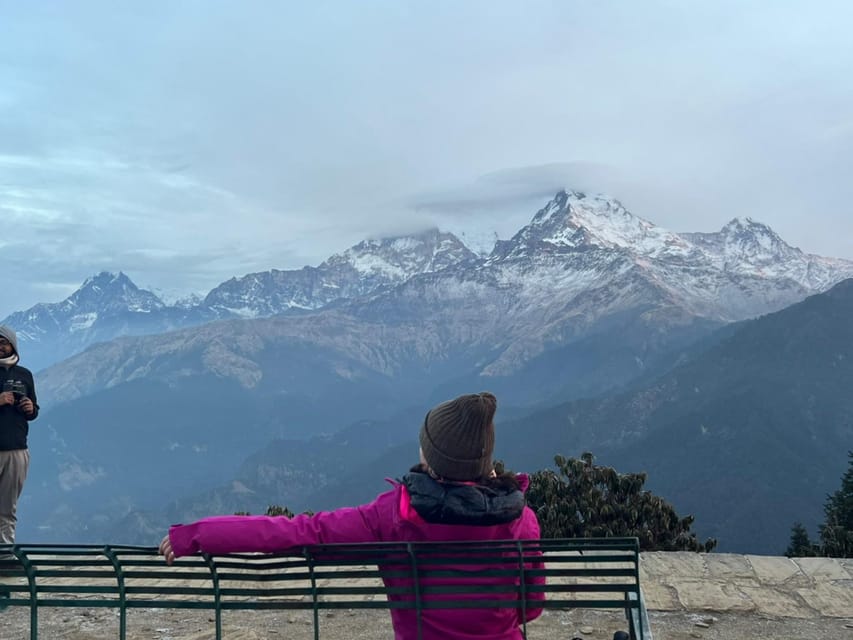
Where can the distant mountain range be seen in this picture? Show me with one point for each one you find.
(109, 305)
(580, 258)
(584, 300)
(749, 434)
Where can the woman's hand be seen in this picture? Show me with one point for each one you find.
(166, 550)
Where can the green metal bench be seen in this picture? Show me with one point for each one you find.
(580, 573)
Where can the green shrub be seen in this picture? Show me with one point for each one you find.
(582, 499)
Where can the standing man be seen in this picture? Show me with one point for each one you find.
(17, 407)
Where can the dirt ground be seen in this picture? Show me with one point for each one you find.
(169, 624)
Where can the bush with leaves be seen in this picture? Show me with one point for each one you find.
(582, 499)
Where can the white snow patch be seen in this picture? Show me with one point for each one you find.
(83, 321)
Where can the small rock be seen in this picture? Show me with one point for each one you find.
(701, 625)
(291, 620)
(587, 630)
(695, 634)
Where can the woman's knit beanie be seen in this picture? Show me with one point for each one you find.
(9, 333)
(458, 437)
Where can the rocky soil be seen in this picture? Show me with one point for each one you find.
(163, 624)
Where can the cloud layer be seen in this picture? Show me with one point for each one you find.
(185, 143)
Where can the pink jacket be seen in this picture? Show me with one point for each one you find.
(390, 517)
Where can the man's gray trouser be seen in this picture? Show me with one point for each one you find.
(13, 472)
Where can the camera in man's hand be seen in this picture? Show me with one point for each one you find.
(18, 389)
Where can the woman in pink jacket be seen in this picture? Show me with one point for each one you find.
(452, 495)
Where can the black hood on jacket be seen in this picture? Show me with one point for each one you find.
(457, 503)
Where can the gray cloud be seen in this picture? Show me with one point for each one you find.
(185, 143)
(519, 185)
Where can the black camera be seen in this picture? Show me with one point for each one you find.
(18, 388)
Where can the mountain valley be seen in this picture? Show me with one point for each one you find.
(293, 387)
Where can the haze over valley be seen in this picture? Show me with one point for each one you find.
(598, 330)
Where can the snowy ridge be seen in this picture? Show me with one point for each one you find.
(744, 246)
(573, 220)
(103, 294)
(359, 271)
(395, 260)
(581, 259)
(743, 270)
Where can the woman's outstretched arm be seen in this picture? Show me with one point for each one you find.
(275, 534)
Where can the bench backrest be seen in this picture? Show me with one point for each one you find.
(579, 573)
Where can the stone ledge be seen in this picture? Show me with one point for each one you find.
(765, 585)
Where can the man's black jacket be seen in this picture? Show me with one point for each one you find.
(14, 425)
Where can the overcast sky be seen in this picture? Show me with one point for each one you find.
(187, 142)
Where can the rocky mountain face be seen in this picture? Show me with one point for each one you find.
(584, 299)
(105, 306)
(580, 258)
(749, 434)
(581, 267)
(359, 271)
(742, 271)
(109, 306)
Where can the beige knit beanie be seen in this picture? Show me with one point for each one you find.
(458, 437)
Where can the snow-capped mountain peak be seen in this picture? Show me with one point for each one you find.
(746, 242)
(746, 237)
(358, 271)
(105, 305)
(573, 220)
(113, 291)
(399, 258)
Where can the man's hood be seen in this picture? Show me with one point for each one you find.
(9, 333)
